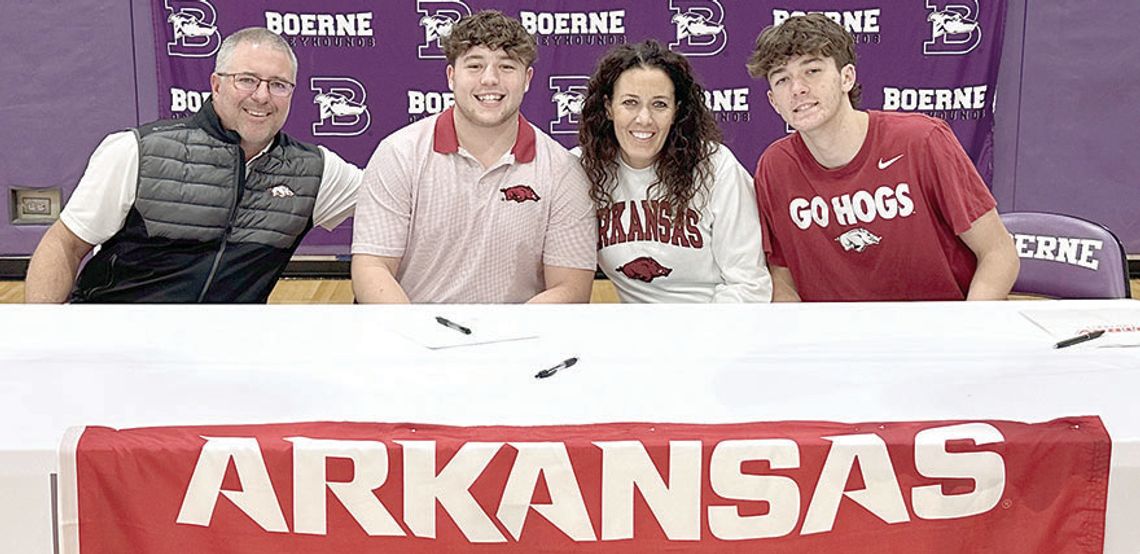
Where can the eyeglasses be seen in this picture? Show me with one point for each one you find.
(246, 82)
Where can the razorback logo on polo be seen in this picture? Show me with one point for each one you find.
(520, 194)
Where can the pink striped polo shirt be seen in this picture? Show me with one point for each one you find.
(466, 234)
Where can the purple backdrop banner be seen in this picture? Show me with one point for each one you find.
(367, 70)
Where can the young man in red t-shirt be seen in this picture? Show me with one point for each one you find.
(861, 205)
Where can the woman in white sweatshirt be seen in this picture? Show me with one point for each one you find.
(677, 217)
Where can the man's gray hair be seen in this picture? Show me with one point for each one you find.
(254, 35)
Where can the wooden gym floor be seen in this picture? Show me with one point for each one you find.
(302, 291)
(339, 291)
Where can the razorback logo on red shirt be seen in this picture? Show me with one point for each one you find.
(644, 269)
(520, 194)
(857, 239)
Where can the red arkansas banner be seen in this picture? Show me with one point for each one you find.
(953, 486)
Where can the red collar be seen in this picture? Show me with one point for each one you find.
(446, 141)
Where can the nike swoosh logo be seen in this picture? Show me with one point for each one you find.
(886, 164)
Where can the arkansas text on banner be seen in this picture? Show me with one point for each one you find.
(982, 486)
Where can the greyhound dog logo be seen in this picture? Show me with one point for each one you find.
(336, 104)
(343, 110)
(691, 24)
(194, 26)
(436, 27)
(437, 17)
(950, 23)
(569, 103)
(568, 96)
(954, 27)
(700, 27)
(644, 269)
(857, 240)
(520, 194)
(189, 25)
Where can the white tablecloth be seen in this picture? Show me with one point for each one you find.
(132, 366)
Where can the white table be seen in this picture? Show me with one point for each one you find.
(131, 366)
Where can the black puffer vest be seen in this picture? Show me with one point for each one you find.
(202, 228)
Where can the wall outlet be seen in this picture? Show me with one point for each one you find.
(34, 206)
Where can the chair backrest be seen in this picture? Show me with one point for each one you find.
(1063, 256)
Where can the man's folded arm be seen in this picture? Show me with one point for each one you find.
(783, 286)
(54, 264)
(374, 280)
(998, 263)
(564, 285)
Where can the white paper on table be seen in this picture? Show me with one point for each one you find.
(1121, 325)
(428, 332)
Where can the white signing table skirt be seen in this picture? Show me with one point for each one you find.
(139, 366)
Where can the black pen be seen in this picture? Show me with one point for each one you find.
(1083, 337)
(452, 325)
(548, 372)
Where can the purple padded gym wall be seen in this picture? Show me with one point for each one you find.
(1065, 122)
(365, 73)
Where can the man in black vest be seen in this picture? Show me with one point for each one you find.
(203, 209)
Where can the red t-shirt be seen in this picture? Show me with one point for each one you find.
(883, 227)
